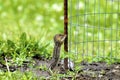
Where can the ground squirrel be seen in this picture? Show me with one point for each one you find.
(58, 40)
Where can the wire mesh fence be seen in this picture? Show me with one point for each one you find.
(94, 29)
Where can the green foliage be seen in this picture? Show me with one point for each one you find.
(22, 49)
(20, 20)
(17, 76)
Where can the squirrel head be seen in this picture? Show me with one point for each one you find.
(59, 38)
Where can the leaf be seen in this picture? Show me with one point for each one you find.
(1, 42)
(10, 44)
(23, 40)
(44, 47)
(23, 37)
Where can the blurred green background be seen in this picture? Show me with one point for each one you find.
(39, 18)
(88, 20)
(94, 31)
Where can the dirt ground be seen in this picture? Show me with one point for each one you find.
(87, 71)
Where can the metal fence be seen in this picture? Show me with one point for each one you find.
(94, 29)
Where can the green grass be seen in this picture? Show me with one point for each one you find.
(40, 23)
(27, 28)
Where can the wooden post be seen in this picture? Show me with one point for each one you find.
(66, 32)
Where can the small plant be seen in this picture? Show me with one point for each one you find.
(22, 49)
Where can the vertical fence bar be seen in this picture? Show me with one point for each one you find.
(66, 32)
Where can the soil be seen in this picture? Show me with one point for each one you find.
(87, 71)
